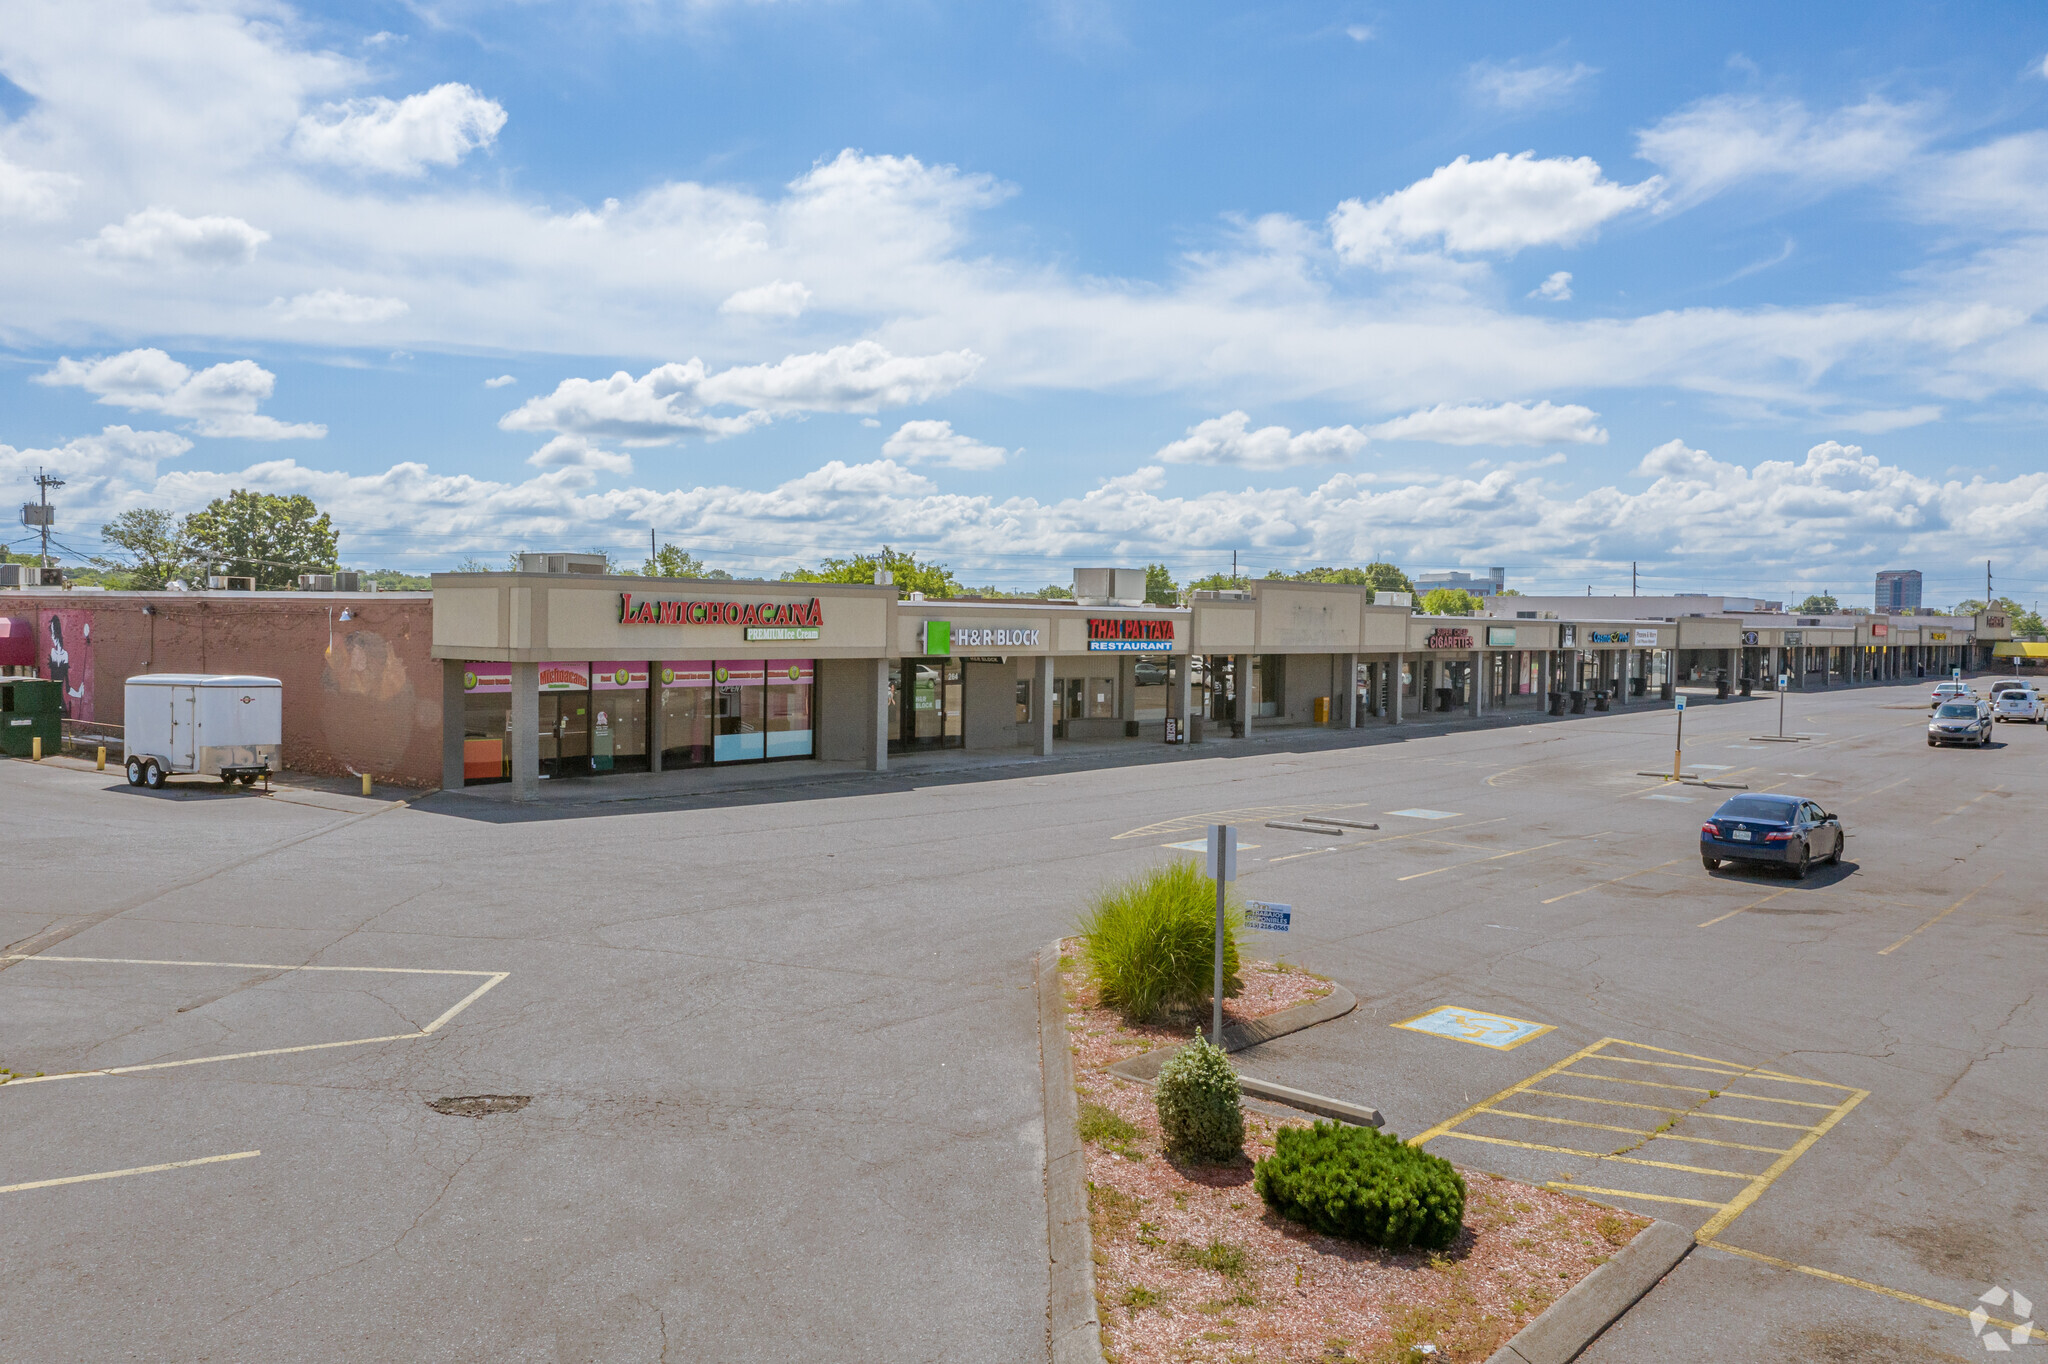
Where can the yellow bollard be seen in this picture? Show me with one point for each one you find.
(366, 783)
(101, 765)
(35, 745)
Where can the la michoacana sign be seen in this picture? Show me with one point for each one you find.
(763, 620)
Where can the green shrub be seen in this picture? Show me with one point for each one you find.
(1199, 1105)
(1362, 1185)
(1150, 942)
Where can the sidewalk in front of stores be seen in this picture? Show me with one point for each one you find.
(956, 763)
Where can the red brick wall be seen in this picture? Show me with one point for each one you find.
(359, 695)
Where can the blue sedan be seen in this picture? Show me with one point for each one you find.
(1783, 831)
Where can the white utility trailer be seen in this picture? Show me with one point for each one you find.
(227, 726)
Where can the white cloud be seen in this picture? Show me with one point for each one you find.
(162, 234)
(26, 193)
(781, 298)
(674, 399)
(1880, 420)
(1499, 205)
(1505, 424)
(578, 452)
(936, 442)
(401, 137)
(1359, 33)
(500, 381)
(338, 305)
(219, 401)
(1718, 142)
(1556, 289)
(1518, 89)
(1228, 439)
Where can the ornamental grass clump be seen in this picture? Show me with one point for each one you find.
(1200, 1110)
(1150, 942)
(1362, 1185)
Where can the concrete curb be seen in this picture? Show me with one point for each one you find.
(1074, 1334)
(1144, 1067)
(1575, 1320)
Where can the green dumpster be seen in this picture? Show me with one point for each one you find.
(30, 708)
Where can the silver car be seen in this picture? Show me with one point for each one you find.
(1964, 721)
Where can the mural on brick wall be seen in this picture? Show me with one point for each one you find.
(370, 713)
(64, 655)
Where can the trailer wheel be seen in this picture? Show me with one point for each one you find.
(248, 779)
(227, 779)
(135, 771)
(152, 774)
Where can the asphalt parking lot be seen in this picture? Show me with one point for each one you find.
(779, 1060)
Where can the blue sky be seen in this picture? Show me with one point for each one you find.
(1747, 295)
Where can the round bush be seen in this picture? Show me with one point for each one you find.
(1150, 942)
(1200, 1111)
(1362, 1185)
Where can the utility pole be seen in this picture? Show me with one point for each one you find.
(1233, 568)
(652, 552)
(44, 482)
(1987, 580)
(1632, 577)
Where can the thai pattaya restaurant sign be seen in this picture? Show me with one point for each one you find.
(761, 620)
(1129, 636)
(1449, 637)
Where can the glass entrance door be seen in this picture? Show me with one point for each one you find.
(740, 730)
(564, 734)
(926, 703)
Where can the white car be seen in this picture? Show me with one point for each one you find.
(1951, 691)
(2020, 703)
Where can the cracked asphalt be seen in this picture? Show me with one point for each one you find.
(781, 1045)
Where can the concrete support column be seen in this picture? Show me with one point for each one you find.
(874, 718)
(1394, 706)
(1127, 689)
(525, 731)
(1732, 665)
(1045, 706)
(657, 731)
(1347, 678)
(1182, 699)
(1247, 704)
(1478, 704)
(451, 723)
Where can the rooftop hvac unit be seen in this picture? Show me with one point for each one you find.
(316, 582)
(30, 575)
(563, 563)
(1109, 586)
(231, 583)
(1381, 597)
(348, 582)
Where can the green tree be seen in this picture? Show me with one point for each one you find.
(1508, 592)
(1216, 582)
(2027, 623)
(676, 562)
(1160, 588)
(1818, 604)
(266, 536)
(1382, 576)
(154, 547)
(1450, 601)
(934, 580)
(1054, 592)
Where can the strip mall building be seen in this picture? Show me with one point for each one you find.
(522, 677)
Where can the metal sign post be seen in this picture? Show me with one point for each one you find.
(1222, 867)
(1678, 750)
(1784, 683)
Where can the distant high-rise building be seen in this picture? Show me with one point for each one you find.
(1898, 590)
(1488, 586)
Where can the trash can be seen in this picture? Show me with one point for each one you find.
(31, 708)
(1721, 686)
(1600, 700)
(1195, 730)
(1322, 710)
(1667, 691)
(1637, 686)
(1555, 702)
(1578, 703)
(1747, 683)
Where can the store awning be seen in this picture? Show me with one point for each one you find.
(2013, 648)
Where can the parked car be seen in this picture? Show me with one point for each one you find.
(1963, 721)
(2020, 702)
(1784, 831)
(2005, 684)
(1948, 691)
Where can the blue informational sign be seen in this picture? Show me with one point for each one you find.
(1681, 703)
(1266, 917)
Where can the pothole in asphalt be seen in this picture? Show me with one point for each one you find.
(479, 1105)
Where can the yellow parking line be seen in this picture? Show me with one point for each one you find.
(117, 1174)
(1751, 905)
(1691, 1089)
(1495, 858)
(1663, 1108)
(1641, 1132)
(1832, 1277)
(1728, 1069)
(1507, 1093)
(1616, 881)
(1887, 951)
(1597, 1155)
(1630, 1193)
(1719, 1222)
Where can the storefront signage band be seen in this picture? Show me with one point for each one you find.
(1104, 631)
(938, 638)
(1610, 636)
(1500, 636)
(1446, 637)
(780, 615)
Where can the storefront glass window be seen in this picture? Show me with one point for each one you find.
(1023, 702)
(739, 736)
(685, 714)
(564, 719)
(1154, 679)
(1101, 698)
(927, 710)
(787, 707)
(486, 722)
(618, 717)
